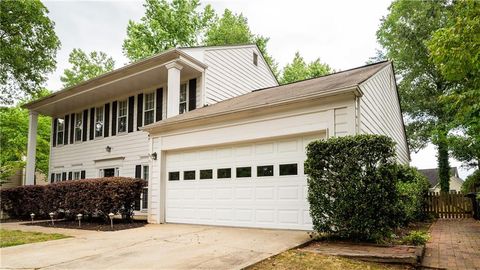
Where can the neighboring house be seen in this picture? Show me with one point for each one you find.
(18, 179)
(215, 136)
(432, 176)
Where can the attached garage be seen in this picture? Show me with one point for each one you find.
(256, 184)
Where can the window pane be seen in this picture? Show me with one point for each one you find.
(173, 176)
(145, 198)
(288, 169)
(122, 124)
(60, 137)
(76, 175)
(60, 127)
(183, 93)
(189, 175)
(183, 107)
(206, 174)
(99, 122)
(145, 173)
(244, 172)
(265, 170)
(122, 108)
(78, 127)
(149, 101)
(224, 173)
(149, 117)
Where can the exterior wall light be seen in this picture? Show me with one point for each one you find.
(32, 216)
(153, 155)
(108, 149)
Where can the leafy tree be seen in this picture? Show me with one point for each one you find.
(85, 66)
(298, 70)
(166, 25)
(455, 51)
(403, 34)
(28, 46)
(14, 137)
(233, 29)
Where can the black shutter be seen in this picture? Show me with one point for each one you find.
(65, 129)
(70, 176)
(131, 104)
(84, 125)
(138, 171)
(54, 131)
(92, 123)
(159, 107)
(139, 110)
(64, 176)
(106, 128)
(192, 94)
(52, 178)
(114, 118)
(72, 127)
(82, 175)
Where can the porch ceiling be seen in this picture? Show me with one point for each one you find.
(116, 84)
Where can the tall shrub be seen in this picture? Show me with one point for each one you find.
(88, 197)
(351, 186)
(412, 188)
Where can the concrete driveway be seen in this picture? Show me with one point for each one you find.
(166, 246)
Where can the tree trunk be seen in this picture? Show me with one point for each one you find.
(443, 165)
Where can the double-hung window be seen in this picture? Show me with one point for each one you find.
(78, 127)
(58, 177)
(122, 116)
(76, 175)
(145, 177)
(99, 122)
(183, 98)
(149, 113)
(60, 128)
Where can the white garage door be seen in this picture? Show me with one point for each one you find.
(260, 184)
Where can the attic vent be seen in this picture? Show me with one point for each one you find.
(255, 59)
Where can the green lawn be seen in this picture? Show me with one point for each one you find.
(296, 259)
(10, 238)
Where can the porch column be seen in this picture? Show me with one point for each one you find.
(173, 89)
(31, 148)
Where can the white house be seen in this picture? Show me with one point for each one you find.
(210, 129)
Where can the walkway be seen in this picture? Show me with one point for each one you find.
(454, 244)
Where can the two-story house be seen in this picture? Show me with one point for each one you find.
(219, 141)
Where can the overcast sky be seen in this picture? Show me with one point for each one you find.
(340, 32)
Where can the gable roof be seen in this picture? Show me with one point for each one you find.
(320, 86)
(432, 175)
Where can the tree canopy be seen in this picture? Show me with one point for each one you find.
(299, 70)
(86, 66)
(13, 142)
(166, 25)
(28, 46)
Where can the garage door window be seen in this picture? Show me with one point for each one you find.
(288, 169)
(244, 172)
(264, 171)
(189, 175)
(173, 176)
(224, 173)
(206, 174)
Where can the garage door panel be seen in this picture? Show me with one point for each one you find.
(265, 201)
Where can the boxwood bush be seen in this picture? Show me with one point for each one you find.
(412, 188)
(89, 197)
(351, 186)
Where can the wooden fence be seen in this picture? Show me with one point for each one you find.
(448, 205)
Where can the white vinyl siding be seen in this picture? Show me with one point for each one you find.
(380, 111)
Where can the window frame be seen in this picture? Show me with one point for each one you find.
(255, 59)
(186, 98)
(200, 174)
(78, 128)
(173, 172)
(145, 111)
(124, 116)
(273, 170)
(60, 131)
(284, 164)
(102, 108)
(58, 177)
(243, 167)
(189, 172)
(223, 168)
(79, 175)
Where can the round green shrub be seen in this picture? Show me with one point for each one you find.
(472, 183)
(351, 186)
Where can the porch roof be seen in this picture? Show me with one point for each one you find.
(136, 76)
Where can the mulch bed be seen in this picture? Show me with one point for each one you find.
(92, 225)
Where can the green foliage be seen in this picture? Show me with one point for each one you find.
(85, 66)
(233, 29)
(416, 238)
(28, 46)
(455, 51)
(17, 237)
(166, 25)
(412, 188)
(472, 183)
(87, 197)
(14, 137)
(351, 186)
(443, 166)
(299, 70)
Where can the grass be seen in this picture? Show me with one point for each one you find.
(296, 259)
(10, 238)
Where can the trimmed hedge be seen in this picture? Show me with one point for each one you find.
(412, 188)
(351, 186)
(90, 197)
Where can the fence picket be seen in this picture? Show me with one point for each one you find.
(448, 205)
